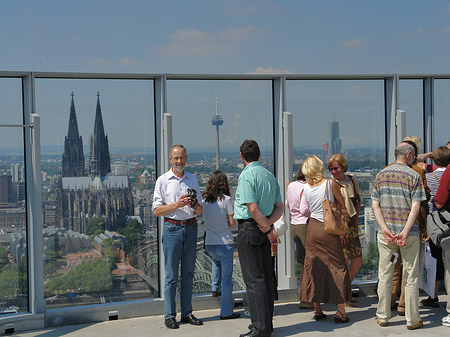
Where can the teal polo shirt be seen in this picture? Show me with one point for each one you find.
(256, 185)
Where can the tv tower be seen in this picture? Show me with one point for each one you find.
(217, 121)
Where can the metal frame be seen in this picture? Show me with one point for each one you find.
(282, 142)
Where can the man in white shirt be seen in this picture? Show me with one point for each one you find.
(178, 198)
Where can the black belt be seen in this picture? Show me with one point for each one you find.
(181, 222)
(241, 221)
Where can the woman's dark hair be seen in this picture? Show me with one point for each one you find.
(217, 187)
(300, 175)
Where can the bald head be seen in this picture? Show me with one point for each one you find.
(403, 149)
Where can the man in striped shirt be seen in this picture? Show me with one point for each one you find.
(396, 197)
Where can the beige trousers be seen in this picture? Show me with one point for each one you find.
(410, 260)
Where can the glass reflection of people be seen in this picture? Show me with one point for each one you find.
(325, 278)
(218, 215)
(350, 192)
(294, 193)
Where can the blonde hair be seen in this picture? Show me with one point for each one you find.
(415, 140)
(313, 169)
(340, 159)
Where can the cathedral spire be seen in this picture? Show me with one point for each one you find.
(73, 157)
(99, 160)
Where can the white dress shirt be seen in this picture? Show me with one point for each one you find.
(169, 189)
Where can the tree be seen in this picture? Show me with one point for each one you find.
(95, 226)
(132, 232)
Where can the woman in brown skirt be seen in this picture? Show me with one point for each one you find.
(349, 190)
(325, 278)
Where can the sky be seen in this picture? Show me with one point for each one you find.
(223, 37)
(226, 36)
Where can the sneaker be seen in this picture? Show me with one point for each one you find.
(418, 325)
(446, 321)
(430, 302)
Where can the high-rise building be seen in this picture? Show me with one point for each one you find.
(217, 121)
(99, 159)
(73, 157)
(335, 144)
(7, 193)
(15, 172)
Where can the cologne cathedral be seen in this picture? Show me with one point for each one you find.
(98, 194)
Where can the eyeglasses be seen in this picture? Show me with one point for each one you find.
(334, 168)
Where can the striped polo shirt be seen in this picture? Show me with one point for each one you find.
(396, 187)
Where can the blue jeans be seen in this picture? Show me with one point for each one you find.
(179, 245)
(224, 254)
(216, 280)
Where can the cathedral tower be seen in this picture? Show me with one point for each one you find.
(99, 160)
(73, 157)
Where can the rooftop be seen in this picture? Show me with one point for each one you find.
(289, 320)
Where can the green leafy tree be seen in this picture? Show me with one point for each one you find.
(95, 226)
(132, 232)
(9, 281)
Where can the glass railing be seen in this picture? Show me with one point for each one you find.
(13, 215)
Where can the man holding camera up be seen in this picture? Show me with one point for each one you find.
(396, 197)
(177, 197)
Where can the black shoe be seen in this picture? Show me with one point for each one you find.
(252, 333)
(191, 320)
(216, 293)
(171, 323)
(232, 316)
(430, 302)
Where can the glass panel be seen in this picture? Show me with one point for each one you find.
(441, 112)
(411, 101)
(343, 117)
(98, 163)
(246, 110)
(13, 234)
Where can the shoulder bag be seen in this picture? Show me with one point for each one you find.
(333, 219)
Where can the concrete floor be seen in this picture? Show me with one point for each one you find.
(289, 320)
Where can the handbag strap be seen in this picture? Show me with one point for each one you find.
(439, 180)
(327, 194)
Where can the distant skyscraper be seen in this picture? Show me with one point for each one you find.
(99, 159)
(217, 121)
(15, 172)
(335, 145)
(73, 157)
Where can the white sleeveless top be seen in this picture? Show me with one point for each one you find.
(314, 197)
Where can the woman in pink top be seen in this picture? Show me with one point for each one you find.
(294, 193)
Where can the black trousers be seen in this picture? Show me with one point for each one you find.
(258, 272)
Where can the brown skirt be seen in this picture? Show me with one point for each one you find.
(352, 245)
(325, 275)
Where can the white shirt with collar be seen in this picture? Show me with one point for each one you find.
(169, 189)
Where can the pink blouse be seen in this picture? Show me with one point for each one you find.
(293, 193)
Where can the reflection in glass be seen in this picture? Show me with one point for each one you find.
(343, 117)
(98, 163)
(231, 111)
(13, 220)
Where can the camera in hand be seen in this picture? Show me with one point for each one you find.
(191, 193)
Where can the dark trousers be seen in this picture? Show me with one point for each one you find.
(258, 272)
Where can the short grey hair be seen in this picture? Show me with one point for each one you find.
(402, 150)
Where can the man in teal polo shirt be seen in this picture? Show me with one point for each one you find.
(258, 205)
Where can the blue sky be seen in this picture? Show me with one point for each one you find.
(226, 36)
